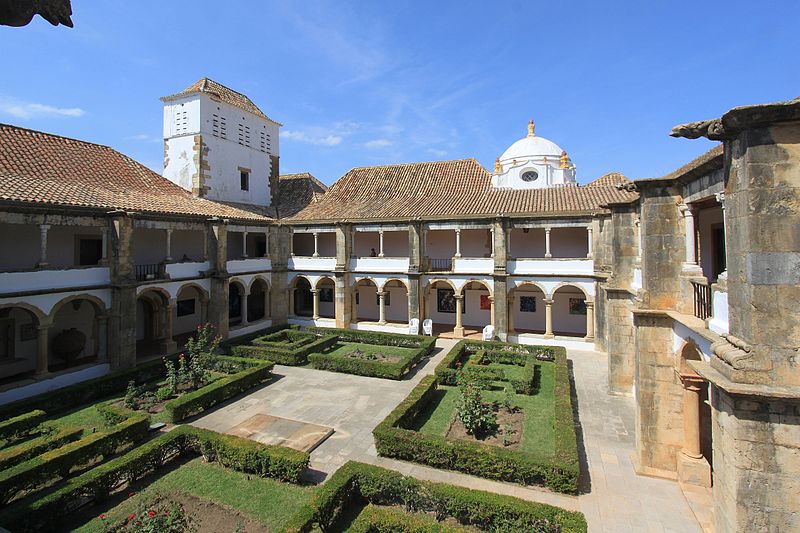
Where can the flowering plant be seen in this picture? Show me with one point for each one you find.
(476, 415)
(154, 515)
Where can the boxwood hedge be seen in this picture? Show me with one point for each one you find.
(284, 355)
(559, 471)
(357, 483)
(49, 438)
(47, 512)
(21, 425)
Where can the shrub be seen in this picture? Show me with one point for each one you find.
(50, 438)
(476, 415)
(218, 391)
(21, 425)
(375, 337)
(58, 463)
(388, 520)
(46, 512)
(285, 356)
(357, 482)
(157, 514)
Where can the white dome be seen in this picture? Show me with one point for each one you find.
(528, 147)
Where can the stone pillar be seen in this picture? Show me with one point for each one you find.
(102, 337)
(690, 263)
(122, 314)
(500, 307)
(380, 237)
(104, 248)
(458, 331)
(548, 318)
(590, 253)
(43, 228)
(168, 344)
(218, 258)
(693, 469)
(168, 256)
(491, 310)
(244, 245)
(266, 242)
(414, 247)
(291, 241)
(500, 245)
(589, 321)
(458, 243)
(491, 239)
(382, 307)
(315, 295)
(204, 311)
(343, 297)
(547, 243)
(414, 306)
(42, 349)
(316, 245)
(720, 196)
(510, 320)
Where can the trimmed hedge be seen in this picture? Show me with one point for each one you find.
(228, 344)
(50, 438)
(356, 482)
(285, 356)
(58, 463)
(366, 367)
(21, 425)
(244, 455)
(374, 337)
(559, 471)
(191, 403)
(373, 519)
(287, 339)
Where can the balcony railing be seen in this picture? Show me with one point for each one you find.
(148, 272)
(440, 265)
(702, 300)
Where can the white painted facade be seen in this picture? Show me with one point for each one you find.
(234, 140)
(533, 162)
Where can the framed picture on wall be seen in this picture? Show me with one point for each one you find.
(446, 301)
(185, 307)
(486, 305)
(27, 332)
(527, 304)
(326, 295)
(577, 306)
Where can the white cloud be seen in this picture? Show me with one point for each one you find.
(20, 109)
(144, 138)
(436, 152)
(378, 143)
(305, 137)
(323, 136)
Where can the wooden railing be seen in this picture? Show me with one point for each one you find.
(702, 299)
(146, 272)
(440, 265)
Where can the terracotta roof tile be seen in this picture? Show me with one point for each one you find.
(225, 94)
(41, 168)
(296, 191)
(446, 189)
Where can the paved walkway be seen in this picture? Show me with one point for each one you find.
(617, 499)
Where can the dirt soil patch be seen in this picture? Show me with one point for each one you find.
(357, 353)
(212, 517)
(507, 433)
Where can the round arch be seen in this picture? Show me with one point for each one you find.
(527, 308)
(528, 283)
(324, 278)
(21, 328)
(153, 322)
(38, 314)
(434, 281)
(403, 282)
(201, 292)
(572, 311)
(298, 278)
(258, 300)
(78, 333)
(365, 300)
(237, 302)
(574, 286)
(260, 278)
(300, 297)
(98, 304)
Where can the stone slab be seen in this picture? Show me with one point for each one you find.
(278, 431)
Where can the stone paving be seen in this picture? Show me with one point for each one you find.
(615, 499)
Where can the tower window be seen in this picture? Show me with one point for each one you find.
(530, 175)
(244, 176)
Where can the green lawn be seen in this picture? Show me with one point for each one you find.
(86, 417)
(265, 500)
(537, 433)
(343, 348)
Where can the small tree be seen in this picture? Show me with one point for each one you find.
(198, 351)
(476, 415)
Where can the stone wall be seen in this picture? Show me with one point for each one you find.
(620, 338)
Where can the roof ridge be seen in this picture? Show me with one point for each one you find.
(417, 163)
(57, 136)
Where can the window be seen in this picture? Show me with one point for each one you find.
(530, 175)
(244, 176)
(90, 250)
(185, 307)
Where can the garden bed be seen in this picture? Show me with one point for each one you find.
(421, 430)
(293, 350)
(379, 500)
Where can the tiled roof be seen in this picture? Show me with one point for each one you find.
(296, 191)
(698, 166)
(609, 180)
(225, 94)
(447, 189)
(41, 168)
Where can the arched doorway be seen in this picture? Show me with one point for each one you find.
(441, 303)
(326, 298)
(154, 323)
(366, 303)
(695, 460)
(527, 306)
(191, 311)
(302, 299)
(258, 301)
(78, 332)
(237, 304)
(572, 313)
(395, 302)
(23, 341)
(478, 304)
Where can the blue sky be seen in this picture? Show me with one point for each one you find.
(369, 83)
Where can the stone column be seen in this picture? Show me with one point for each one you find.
(414, 305)
(204, 311)
(102, 337)
(548, 318)
(693, 468)
(344, 309)
(316, 245)
(291, 297)
(720, 196)
(315, 294)
(168, 344)
(266, 243)
(458, 331)
(104, 247)
(245, 296)
(638, 226)
(491, 310)
(382, 307)
(42, 349)
(589, 321)
(491, 239)
(590, 253)
(291, 242)
(547, 243)
(205, 243)
(458, 243)
(691, 251)
(43, 228)
(244, 245)
(380, 237)
(510, 319)
(168, 256)
(414, 247)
